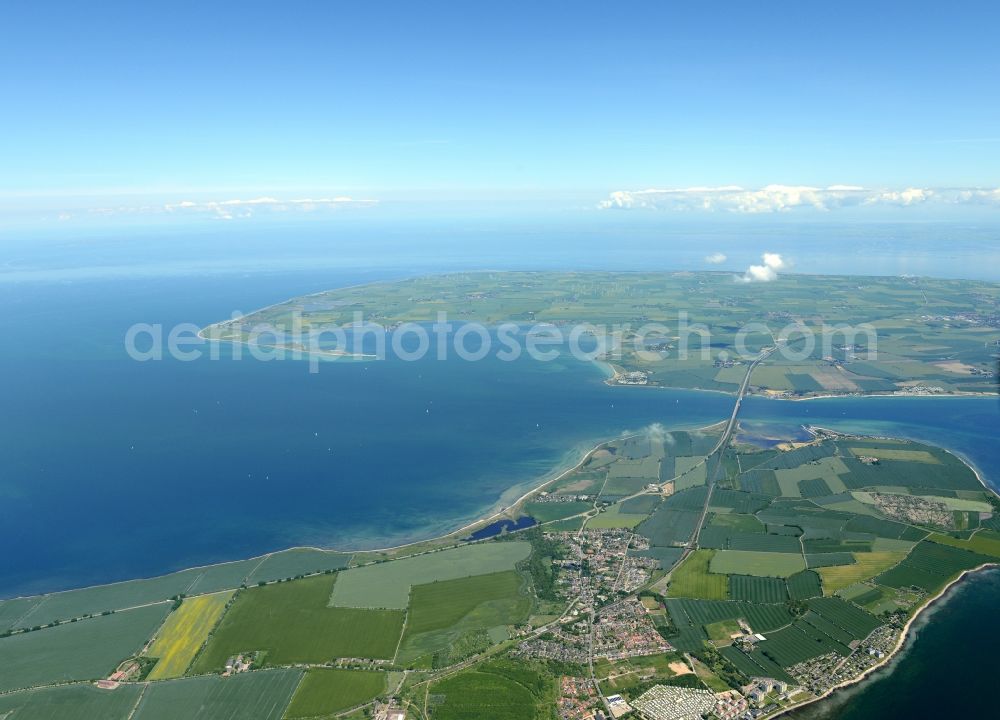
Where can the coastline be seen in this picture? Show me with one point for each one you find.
(491, 513)
(905, 633)
(961, 456)
(549, 478)
(884, 395)
(497, 510)
(296, 352)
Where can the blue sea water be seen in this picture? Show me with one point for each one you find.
(112, 468)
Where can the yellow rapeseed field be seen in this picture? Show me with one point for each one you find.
(184, 632)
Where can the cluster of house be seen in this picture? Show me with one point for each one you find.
(967, 318)
(576, 699)
(562, 647)
(821, 673)
(128, 670)
(593, 567)
(633, 377)
(238, 664)
(730, 705)
(625, 630)
(546, 497)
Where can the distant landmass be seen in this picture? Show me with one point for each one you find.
(866, 335)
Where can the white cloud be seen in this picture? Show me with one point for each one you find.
(909, 196)
(234, 208)
(784, 198)
(229, 209)
(768, 271)
(715, 258)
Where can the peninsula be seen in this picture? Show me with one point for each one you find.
(842, 335)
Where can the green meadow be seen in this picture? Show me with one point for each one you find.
(291, 622)
(324, 691)
(499, 690)
(441, 612)
(261, 695)
(387, 585)
(84, 650)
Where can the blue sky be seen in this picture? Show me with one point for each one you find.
(115, 109)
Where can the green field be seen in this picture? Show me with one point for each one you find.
(70, 702)
(622, 487)
(642, 505)
(292, 623)
(737, 523)
(757, 589)
(387, 585)
(84, 650)
(814, 561)
(761, 542)
(930, 566)
(797, 643)
(762, 564)
(646, 468)
(324, 691)
(943, 471)
(260, 695)
(669, 526)
(856, 622)
(692, 578)
(295, 562)
(895, 453)
(805, 584)
(750, 665)
(497, 690)
(691, 618)
(984, 542)
(96, 600)
(12, 610)
(722, 630)
(614, 518)
(441, 612)
(690, 472)
(587, 481)
(547, 511)
(726, 500)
